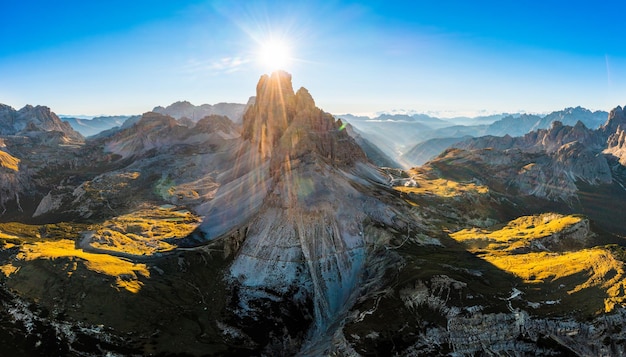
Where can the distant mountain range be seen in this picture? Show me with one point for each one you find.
(184, 109)
(406, 138)
(93, 126)
(400, 140)
(90, 126)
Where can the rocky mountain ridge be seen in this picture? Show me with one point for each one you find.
(29, 120)
(546, 163)
(184, 109)
(279, 237)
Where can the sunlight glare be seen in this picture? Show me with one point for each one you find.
(275, 55)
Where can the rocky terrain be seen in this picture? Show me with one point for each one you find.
(279, 236)
(30, 120)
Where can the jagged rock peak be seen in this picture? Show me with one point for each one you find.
(179, 106)
(580, 125)
(266, 120)
(290, 125)
(277, 84)
(151, 119)
(616, 119)
(34, 118)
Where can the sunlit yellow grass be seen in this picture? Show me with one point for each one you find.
(577, 270)
(8, 161)
(4, 235)
(143, 232)
(442, 188)
(8, 269)
(6, 245)
(14, 230)
(517, 232)
(597, 265)
(123, 270)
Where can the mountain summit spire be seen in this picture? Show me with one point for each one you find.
(283, 123)
(265, 122)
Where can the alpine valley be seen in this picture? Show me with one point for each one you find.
(275, 229)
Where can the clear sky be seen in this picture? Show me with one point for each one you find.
(459, 57)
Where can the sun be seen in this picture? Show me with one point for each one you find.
(274, 55)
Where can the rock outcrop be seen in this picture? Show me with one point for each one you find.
(34, 142)
(31, 119)
(11, 180)
(615, 132)
(616, 120)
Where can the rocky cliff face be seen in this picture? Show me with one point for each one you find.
(29, 120)
(616, 119)
(613, 130)
(11, 181)
(282, 122)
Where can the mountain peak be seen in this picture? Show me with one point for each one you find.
(266, 120)
(31, 119)
(278, 81)
(282, 123)
(304, 98)
(615, 120)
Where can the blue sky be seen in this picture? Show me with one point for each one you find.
(457, 57)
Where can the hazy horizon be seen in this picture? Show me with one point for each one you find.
(119, 58)
(434, 114)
